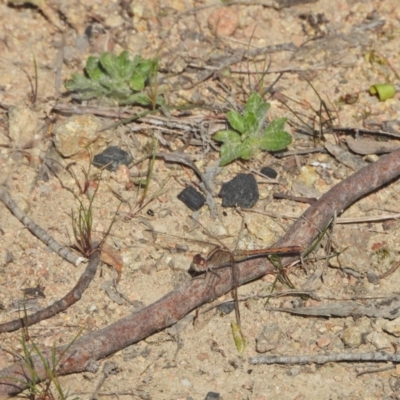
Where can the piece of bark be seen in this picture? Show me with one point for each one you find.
(365, 146)
(345, 157)
(84, 353)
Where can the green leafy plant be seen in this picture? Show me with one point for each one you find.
(250, 133)
(117, 78)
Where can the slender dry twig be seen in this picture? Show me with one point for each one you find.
(70, 298)
(390, 271)
(362, 130)
(376, 370)
(323, 359)
(84, 353)
(340, 220)
(41, 234)
(309, 200)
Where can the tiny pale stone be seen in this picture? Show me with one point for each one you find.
(323, 341)
(379, 340)
(203, 356)
(24, 125)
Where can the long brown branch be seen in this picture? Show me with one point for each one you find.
(84, 353)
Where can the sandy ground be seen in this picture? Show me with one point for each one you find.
(330, 41)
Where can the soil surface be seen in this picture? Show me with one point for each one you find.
(321, 51)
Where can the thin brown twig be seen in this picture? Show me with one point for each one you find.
(376, 370)
(67, 301)
(85, 352)
(309, 200)
(340, 220)
(390, 271)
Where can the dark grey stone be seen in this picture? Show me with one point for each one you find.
(192, 198)
(241, 191)
(111, 158)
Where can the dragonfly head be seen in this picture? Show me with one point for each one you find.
(198, 264)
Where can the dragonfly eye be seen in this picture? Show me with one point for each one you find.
(198, 259)
(198, 263)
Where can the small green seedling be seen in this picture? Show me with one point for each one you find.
(384, 91)
(117, 78)
(250, 134)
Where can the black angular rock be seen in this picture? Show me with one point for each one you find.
(192, 198)
(213, 396)
(241, 191)
(113, 157)
(270, 172)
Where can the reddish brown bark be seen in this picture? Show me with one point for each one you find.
(175, 305)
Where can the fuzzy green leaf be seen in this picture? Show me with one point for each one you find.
(143, 66)
(275, 138)
(253, 103)
(137, 98)
(255, 114)
(236, 121)
(93, 68)
(80, 82)
(230, 150)
(248, 148)
(251, 125)
(229, 153)
(261, 113)
(108, 62)
(137, 81)
(124, 66)
(229, 137)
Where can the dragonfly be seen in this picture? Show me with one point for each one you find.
(221, 257)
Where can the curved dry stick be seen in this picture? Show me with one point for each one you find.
(62, 251)
(84, 353)
(340, 197)
(67, 301)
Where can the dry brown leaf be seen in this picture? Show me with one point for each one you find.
(111, 257)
